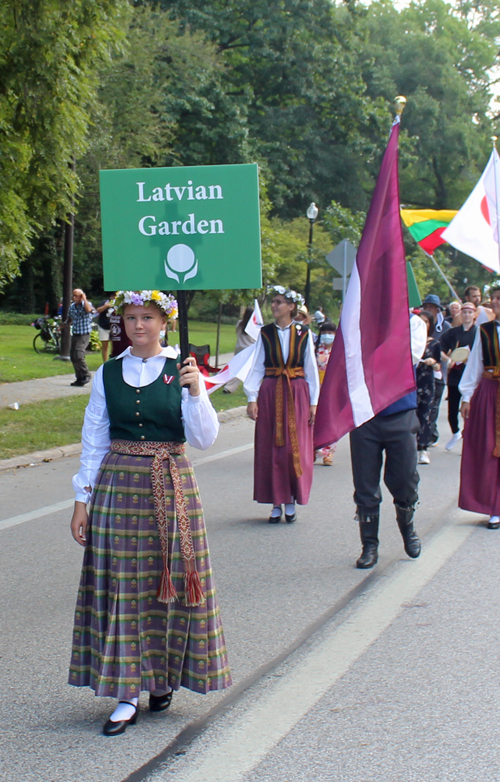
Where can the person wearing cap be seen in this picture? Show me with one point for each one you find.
(457, 343)
(432, 304)
(303, 316)
(480, 389)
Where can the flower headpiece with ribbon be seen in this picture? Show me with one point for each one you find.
(167, 304)
(289, 294)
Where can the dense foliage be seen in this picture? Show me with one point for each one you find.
(303, 87)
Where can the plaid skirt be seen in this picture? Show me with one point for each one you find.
(124, 639)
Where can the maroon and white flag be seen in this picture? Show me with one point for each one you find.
(370, 365)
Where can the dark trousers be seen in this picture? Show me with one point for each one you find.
(79, 344)
(396, 435)
(438, 393)
(454, 397)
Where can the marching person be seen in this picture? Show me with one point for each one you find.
(426, 369)
(432, 304)
(282, 389)
(394, 431)
(455, 342)
(147, 616)
(480, 389)
(324, 344)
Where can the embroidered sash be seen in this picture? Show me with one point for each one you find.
(164, 452)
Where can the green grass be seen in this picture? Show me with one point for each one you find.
(223, 401)
(18, 360)
(58, 422)
(41, 425)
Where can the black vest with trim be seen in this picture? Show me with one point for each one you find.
(489, 343)
(272, 346)
(149, 413)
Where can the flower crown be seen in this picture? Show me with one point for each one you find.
(288, 294)
(167, 304)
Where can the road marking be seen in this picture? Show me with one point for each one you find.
(36, 514)
(65, 504)
(248, 740)
(222, 454)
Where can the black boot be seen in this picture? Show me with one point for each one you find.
(368, 530)
(411, 542)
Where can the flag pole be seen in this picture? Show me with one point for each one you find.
(443, 275)
(494, 140)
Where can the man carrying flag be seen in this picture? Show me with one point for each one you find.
(369, 386)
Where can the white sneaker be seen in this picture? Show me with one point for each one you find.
(454, 440)
(423, 457)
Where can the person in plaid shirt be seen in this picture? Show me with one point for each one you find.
(80, 316)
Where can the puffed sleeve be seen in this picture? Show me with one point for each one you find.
(473, 369)
(95, 440)
(311, 370)
(201, 425)
(257, 371)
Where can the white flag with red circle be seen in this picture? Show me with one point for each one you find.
(474, 230)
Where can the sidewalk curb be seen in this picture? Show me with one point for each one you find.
(38, 457)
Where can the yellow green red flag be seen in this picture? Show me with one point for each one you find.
(427, 225)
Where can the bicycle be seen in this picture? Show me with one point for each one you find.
(49, 338)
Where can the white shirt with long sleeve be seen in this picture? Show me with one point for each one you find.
(258, 370)
(201, 425)
(474, 368)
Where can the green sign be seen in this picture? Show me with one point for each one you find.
(184, 228)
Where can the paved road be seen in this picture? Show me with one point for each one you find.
(395, 692)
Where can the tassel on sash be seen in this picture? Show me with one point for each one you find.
(164, 451)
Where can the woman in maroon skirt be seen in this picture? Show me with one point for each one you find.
(147, 616)
(480, 389)
(282, 389)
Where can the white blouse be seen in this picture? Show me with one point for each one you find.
(201, 425)
(258, 370)
(474, 368)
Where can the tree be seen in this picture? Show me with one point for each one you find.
(291, 70)
(438, 56)
(50, 55)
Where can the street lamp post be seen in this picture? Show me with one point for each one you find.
(312, 213)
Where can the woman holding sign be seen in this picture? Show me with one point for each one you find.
(147, 616)
(282, 389)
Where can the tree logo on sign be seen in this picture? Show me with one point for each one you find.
(181, 260)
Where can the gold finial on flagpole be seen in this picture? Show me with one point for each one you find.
(400, 103)
(494, 140)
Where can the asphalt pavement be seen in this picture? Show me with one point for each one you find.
(339, 674)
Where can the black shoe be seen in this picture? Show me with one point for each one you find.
(411, 542)
(115, 728)
(77, 383)
(160, 702)
(368, 530)
(493, 525)
(275, 519)
(290, 519)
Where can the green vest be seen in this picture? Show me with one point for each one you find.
(151, 413)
